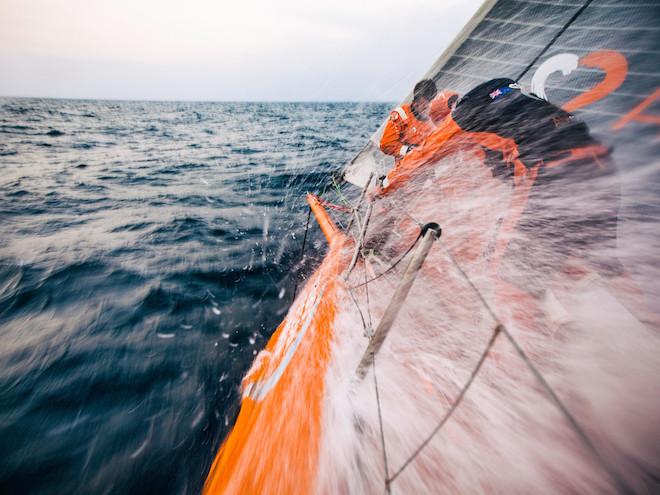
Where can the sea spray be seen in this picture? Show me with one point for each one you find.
(598, 354)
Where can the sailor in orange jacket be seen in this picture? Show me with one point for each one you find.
(436, 144)
(410, 124)
(546, 153)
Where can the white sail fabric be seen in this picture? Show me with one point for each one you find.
(505, 36)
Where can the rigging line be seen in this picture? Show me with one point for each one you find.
(365, 329)
(554, 38)
(358, 226)
(572, 422)
(360, 241)
(364, 324)
(366, 290)
(359, 202)
(472, 286)
(326, 185)
(620, 483)
(399, 260)
(388, 489)
(454, 406)
(302, 250)
(333, 206)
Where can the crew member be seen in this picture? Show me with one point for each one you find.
(571, 211)
(446, 138)
(565, 194)
(409, 124)
(533, 134)
(442, 106)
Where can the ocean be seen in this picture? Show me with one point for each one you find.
(147, 252)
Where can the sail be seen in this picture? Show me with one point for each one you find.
(544, 179)
(517, 353)
(600, 58)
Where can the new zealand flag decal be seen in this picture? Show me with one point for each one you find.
(498, 93)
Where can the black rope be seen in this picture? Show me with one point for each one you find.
(382, 430)
(364, 324)
(554, 38)
(577, 429)
(366, 290)
(621, 484)
(394, 265)
(302, 250)
(454, 406)
(500, 328)
(360, 242)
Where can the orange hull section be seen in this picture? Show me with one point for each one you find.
(274, 445)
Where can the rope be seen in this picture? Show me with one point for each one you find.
(340, 195)
(359, 203)
(454, 406)
(364, 324)
(302, 250)
(394, 265)
(621, 484)
(360, 242)
(388, 489)
(500, 328)
(472, 286)
(366, 290)
(555, 38)
(572, 422)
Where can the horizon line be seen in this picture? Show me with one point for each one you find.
(147, 100)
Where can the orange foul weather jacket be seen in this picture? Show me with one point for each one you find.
(403, 132)
(434, 147)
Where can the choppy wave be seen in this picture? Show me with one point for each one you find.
(147, 251)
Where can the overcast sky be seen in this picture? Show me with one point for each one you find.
(223, 50)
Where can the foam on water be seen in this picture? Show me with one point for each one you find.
(591, 330)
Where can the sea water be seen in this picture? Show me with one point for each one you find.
(147, 252)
